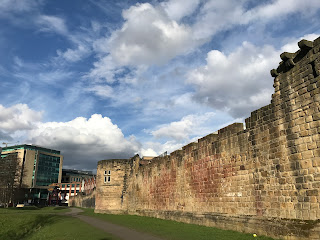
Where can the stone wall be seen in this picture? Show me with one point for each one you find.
(85, 201)
(263, 179)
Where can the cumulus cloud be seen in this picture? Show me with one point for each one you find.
(238, 82)
(148, 152)
(18, 117)
(5, 136)
(148, 36)
(85, 141)
(81, 141)
(155, 34)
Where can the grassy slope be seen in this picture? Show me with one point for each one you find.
(38, 224)
(171, 229)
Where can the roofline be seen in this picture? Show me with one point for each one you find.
(31, 145)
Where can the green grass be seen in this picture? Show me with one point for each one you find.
(38, 224)
(173, 230)
(34, 209)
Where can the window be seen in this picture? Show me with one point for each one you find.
(107, 177)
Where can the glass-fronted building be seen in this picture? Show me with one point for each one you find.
(40, 166)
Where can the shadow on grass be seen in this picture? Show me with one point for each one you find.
(59, 208)
(29, 228)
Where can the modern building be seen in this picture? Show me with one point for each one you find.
(38, 167)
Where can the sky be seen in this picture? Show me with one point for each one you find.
(109, 79)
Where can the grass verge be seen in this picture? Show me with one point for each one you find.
(38, 224)
(34, 209)
(172, 230)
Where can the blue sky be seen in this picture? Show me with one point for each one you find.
(108, 79)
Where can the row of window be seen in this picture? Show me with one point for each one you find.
(76, 179)
(68, 185)
(107, 176)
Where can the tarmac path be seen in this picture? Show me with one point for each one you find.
(116, 230)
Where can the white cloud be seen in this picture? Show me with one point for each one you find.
(18, 117)
(85, 141)
(157, 148)
(17, 6)
(216, 16)
(292, 45)
(82, 141)
(103, 91)
(177, 9)
(239, 82)
(185, 128)
(280, 8)
(52, 24)
(104, 69)
(148, 36)
(155, 34)
(39, 75)
(74, 55)
(148, 152)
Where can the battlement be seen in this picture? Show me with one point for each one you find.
(289, 60)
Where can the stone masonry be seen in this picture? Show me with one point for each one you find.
(263, 179)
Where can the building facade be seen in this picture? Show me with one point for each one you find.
(39, 166)
(74, 182)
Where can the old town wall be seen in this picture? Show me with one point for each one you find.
(263, 179)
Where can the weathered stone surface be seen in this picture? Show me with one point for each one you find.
(85, 201)
(264, 179)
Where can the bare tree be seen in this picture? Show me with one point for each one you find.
(11, 189)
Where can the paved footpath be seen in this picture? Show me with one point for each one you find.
(116, 230)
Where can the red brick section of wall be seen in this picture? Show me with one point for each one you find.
(264, 179)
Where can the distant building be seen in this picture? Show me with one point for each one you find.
(75, 182)
(72, 175)
(38, 167)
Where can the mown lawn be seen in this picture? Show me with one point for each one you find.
(173, 230)
(38, 224)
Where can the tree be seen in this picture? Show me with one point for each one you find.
(11, 188)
